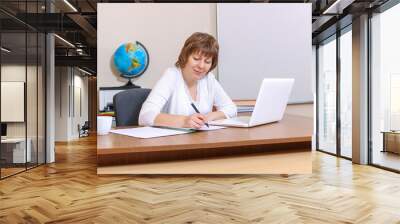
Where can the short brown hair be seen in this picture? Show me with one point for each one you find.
(204, 43)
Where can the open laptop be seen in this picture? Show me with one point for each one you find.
(270, 105)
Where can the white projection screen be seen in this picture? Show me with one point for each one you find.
(12, 101)
(265, 41)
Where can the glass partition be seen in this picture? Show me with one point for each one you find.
(22, 77)
(41, 96)
(327, 96)
(385, 89)
(13, 86)
(346, 92)
(31, 98)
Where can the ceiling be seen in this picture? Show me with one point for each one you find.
(76, 21)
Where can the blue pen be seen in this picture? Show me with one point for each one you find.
(197, 111)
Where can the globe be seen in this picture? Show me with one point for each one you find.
(131, 59)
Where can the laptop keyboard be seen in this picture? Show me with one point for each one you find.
(241, 119)
(234, 121)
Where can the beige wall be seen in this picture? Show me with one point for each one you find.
(81, 103)
(71, 87)
(61, 103)
(161, 28)
(17, 73)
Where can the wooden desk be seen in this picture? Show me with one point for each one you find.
(292, 134)
(245, 102)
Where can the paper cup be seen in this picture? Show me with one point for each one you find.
(104, 124)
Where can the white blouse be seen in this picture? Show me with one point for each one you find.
(170, 95)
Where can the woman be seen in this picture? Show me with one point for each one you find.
(189, 82)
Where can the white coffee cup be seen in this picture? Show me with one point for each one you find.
(104, 124)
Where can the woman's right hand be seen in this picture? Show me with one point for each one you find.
(195, 121)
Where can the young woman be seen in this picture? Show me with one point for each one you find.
(189, 82)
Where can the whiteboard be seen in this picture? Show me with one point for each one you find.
(265, 41)
(12, 101)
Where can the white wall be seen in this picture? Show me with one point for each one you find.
(161, 28)
(265, 41)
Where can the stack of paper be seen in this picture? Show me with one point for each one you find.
(210, 128)
(148, 132)
(153, 132)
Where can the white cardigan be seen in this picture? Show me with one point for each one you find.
(170, 95)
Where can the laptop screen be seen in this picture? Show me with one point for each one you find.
(3, 129)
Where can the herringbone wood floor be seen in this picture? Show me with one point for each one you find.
(69, 191)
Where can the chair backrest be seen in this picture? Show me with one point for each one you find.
(127, 105)
(86, 126)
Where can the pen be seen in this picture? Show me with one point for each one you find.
(197, 111)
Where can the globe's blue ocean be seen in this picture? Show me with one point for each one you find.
(131, 59)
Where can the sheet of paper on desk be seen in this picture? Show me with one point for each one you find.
(211, 128)
(148, 132)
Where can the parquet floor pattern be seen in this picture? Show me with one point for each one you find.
(69, 191)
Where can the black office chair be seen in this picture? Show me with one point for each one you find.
(84, 129)
(127, 105)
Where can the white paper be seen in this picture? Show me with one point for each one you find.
(148, 132)
(211, 128)
(152, 132)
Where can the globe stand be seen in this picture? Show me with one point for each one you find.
(130, 84)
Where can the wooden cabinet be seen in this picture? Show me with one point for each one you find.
(391, 141)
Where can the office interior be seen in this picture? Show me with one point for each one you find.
(48, 63)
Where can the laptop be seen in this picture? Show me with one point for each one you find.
(270, 105)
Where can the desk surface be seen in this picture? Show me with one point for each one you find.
(291, 132)
(13, 140)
